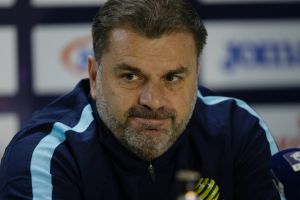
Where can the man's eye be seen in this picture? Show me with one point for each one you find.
(130, 80)
(172, 78)
(130, 77)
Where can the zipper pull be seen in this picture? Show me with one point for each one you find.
(151, 172)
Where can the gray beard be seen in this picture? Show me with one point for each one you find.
(145, 146)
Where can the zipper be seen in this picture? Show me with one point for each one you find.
(151, 172)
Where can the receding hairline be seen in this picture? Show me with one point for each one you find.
(127, 27)
(148, 18)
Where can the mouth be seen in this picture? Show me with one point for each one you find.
(149, 124)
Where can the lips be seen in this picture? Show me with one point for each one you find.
(148, 124)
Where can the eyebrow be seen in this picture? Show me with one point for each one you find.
(128, 67)
(125, 66)
(179, 70)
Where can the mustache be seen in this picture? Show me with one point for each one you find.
(147, 113)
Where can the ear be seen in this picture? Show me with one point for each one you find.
(198, 72)
(92, 70)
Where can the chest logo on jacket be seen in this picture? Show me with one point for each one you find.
(207, 189)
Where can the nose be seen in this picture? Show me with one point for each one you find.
(152, 96)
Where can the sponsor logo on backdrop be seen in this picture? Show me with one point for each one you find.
(247, 55)
(59, 51)
(74, 55)
(262, 54)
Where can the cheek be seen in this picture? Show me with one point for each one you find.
(184, 101)
(118, 100)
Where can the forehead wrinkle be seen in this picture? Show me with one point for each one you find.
(128, 67)
(143, 53)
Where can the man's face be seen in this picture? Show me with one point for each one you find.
(145, 89)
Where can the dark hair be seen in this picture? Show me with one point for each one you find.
(150, 18)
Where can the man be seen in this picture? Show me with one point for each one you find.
(140, 119)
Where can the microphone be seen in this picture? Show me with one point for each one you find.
(286, 169)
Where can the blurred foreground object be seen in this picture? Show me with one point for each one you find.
(286, 168)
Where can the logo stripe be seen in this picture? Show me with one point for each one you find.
(215, 193)
(207, 189)
(41, 158)
(203, 182)
(212, 100)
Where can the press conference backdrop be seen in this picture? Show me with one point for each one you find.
(252, 53)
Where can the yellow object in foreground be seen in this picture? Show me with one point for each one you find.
(207, 189)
